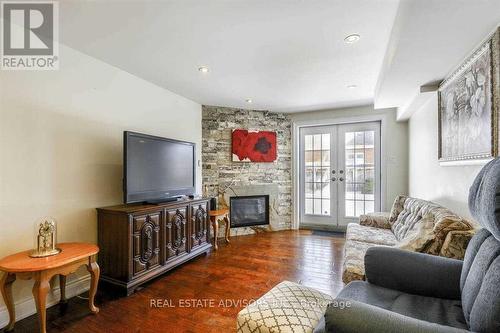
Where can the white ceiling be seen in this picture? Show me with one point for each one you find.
(287, 55)
(429, 39)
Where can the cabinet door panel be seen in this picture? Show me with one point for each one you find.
(199, 225)
(176, 232)
(146, 242)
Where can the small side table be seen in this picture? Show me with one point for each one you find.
(22, 266)
(216, 216)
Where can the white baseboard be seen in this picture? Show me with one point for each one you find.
(26, 307)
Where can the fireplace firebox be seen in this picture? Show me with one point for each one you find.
(249, 210)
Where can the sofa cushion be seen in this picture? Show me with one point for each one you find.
(420, 236)
(354, 260)
(436, 310)
(412, 212)
(439, 232)
(397, 208)
(445, 222)
(411, 216)
(376, 219)
(372, 235)
(288, 307)
(455, 243)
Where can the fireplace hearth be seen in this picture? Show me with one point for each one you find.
(249, 210)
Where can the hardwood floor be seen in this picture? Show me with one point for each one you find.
(239, 272)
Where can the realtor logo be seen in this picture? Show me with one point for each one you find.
(30, 35)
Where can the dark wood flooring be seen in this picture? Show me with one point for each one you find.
(207, 293)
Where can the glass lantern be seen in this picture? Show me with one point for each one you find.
(45, 239)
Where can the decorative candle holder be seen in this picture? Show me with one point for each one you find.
(45, 238)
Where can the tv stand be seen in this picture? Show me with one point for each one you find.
(139, 242)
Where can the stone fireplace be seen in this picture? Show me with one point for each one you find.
(273, 179)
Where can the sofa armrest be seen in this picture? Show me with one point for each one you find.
(413, 272)
(357, 317)
(377, 220)
(455, 243)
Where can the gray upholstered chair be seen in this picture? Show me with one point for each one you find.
(414, 292)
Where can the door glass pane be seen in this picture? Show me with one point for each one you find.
(309, 207)
(325, 190)
(308, 144)
(325, 175)
(308, 157)
(326, 207)
(317, 207)
(309, 190)
(349, 207)
(369, 205)
(317, 142)
(317, 190)
(317, 157)
(359, 173)
(309, 174)
(360, 207)
(325, 157)
(325, 141)
(369, 184)
(317, 174)
(370, 138)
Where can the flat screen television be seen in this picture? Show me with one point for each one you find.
(157, 169)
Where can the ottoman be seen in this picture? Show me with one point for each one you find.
(288, 307)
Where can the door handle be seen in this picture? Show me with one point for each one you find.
(334, 179)
(341, 179)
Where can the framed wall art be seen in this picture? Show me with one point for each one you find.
(469, 106)
(253, 146)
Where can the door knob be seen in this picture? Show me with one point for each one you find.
(341, 171)
(334, 179)
(333, 172)
(341, 179)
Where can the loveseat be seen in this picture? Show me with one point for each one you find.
(412, 224)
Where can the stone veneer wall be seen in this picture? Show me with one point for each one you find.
(218, 168)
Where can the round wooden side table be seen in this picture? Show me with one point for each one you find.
(216, 216)
(22, 266)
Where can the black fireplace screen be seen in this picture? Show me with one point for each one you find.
(249, 210)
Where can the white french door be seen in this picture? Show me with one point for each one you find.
(339, 173)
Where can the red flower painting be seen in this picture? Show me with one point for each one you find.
(254, 146)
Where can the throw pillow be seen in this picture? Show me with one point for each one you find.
(417, 238)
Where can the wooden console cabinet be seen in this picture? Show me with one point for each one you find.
(140, 242)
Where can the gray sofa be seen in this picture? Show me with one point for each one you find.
(415, 292)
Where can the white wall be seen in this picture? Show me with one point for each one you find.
(446, 185)
(61, 147)
(394, 145)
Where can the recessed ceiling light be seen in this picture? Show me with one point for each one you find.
(203, 69)
(248, 100)
(352, 86)
(352, 38)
